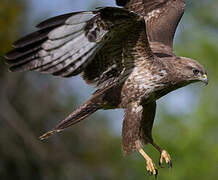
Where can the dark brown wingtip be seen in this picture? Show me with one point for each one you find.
(54, 21)
(8, 55)
(3, 59)
(48, 134)
(11, 55)
(14, 69)
(6, 61)
(17, 43)
(22, 42)
(32, 38)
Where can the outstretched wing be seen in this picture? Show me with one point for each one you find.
(162, 18)
(137, 125)
(92, 42)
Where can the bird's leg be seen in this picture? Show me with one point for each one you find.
(164, 155)
(150, 166)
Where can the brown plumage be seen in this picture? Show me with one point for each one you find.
(127, 54)
(162, 18)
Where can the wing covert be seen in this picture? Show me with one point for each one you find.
(162, 18)
(91, 42)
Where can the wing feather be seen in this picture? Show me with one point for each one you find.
(92, 42)
(55, 21)
(53, 42)
(65, 31)
(162, 18)
(32, 38)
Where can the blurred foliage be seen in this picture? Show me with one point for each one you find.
(31, 103)
(9, 22)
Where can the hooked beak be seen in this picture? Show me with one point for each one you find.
(204, 79)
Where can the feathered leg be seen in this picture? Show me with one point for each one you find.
(131, 134)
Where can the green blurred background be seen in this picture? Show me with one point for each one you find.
(31, 103)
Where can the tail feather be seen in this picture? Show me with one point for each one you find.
(49, 133)
(78, 115)
(93, 104)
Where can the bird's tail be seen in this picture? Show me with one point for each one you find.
(78, 115)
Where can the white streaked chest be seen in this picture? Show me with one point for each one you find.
(142, 82)
(144, 79)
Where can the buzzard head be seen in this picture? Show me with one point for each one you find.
(190, 71)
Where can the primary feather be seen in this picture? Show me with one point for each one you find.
(88, 42)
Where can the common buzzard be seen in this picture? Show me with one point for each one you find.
(126, 53)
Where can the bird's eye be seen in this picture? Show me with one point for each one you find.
(196, 71)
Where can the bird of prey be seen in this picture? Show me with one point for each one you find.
(126, 53)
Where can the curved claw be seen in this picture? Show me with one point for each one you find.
(165, 156)
(152, 170)
(160, 164)
(150, 166)
(152, 173)
(170, 165)
(156, 173)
